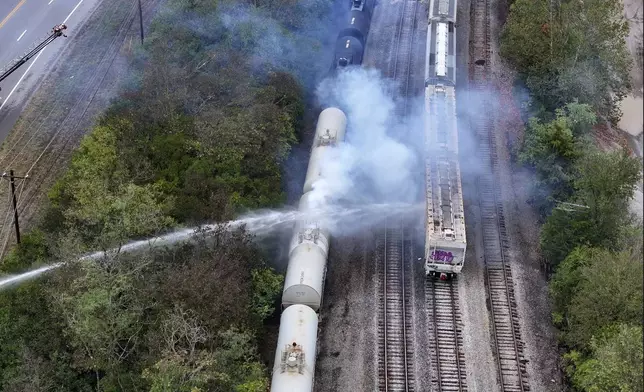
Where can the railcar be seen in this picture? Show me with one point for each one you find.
(309, 245)
(308, 250)
(348, 51)
(351, 41)
(442, 10)
(294, 366)
(304, 281)
(330, 130)
(445, 242)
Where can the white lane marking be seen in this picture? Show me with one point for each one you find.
(23, 33)
(74, 10)
(22, 77)
(50, 1)
(36, 59)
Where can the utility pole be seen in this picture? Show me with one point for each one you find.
(15, 206)
(141, 20)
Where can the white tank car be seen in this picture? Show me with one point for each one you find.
(295, 355)
(308, 251)
(330, 130)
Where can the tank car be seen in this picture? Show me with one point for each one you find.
(296, 350)
(357, 23)
(350, 45)
(330, 130)
(348, 51)
(308, 251)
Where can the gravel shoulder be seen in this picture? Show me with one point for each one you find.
(84, 77)
(347, 348)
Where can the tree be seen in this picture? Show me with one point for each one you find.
(233, 366)
(604, 184)
(34, 354)
(615, 363)
(184, 365)
(267, 285)
(104, 316)
(33, 250)
(609, 291)
(565, 281)
(94, 194)
(207, 120)
(570, 50)
(552, 149)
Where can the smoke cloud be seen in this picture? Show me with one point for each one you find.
(372, 165)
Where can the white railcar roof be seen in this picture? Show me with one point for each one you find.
(444, 195)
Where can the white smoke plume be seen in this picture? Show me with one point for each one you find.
(370, 166)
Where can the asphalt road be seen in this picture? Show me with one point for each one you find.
(23, 24)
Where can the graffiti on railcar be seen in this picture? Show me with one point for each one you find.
(442, 256)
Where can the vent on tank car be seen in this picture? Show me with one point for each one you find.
(309, 235)
(326, 139)
(292, 359)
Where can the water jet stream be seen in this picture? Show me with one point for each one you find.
(340, 220)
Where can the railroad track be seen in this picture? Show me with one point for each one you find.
(404, 47)
(395, 323)
(446, 339)
(396, 372)
(511, 370)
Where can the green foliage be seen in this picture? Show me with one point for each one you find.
(615, 363)
(95, 195)
(103, 313)
(575, 51)
(200, 133)
(552, 149)
(597, 296)
(32, 250)
(234, 366)
(565, 282)
(267, 286)
(603, 183)
(174, 374)
(34, 354)
(594, 288)
(570, 50)
(610, 291)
